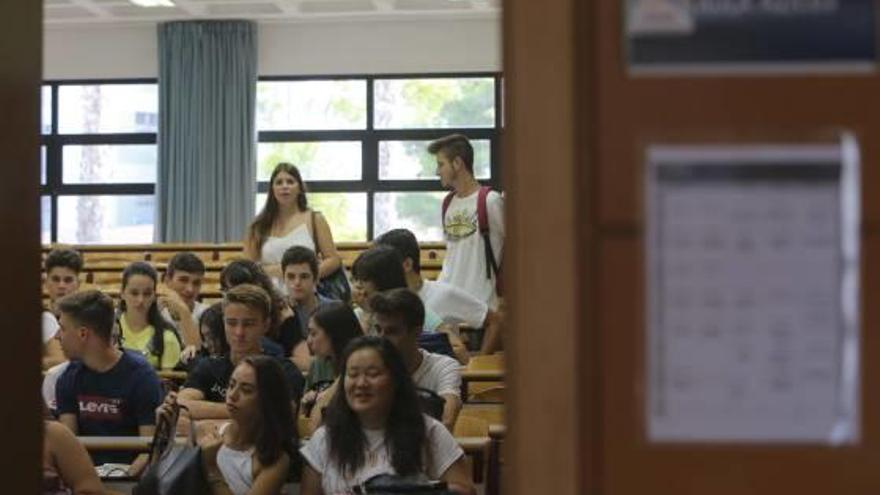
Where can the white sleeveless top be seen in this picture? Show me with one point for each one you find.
(274, 247)
(237, 468)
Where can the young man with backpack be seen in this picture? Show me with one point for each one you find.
(473, 222)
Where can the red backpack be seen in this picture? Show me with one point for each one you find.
(492, 266)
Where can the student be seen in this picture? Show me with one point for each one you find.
(213, 333)
(67, 468)
(399, 313)
(375, 426)
(452, 304)
(286, 220)
(284, 332)
(380, 268)
(179, 296)
(141, 325)
(62, 267)
(331, 328)
(104, 391)
(300, 267)
(465, 265)
(246, 310)
(252, 453)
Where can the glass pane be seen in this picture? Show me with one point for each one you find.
(45, 219)
(46, 110)
(406, 160)
(43, 165)
(109, 164)
(108, 108)
(105, 219)
(313, 105)
(416, 211)
(426, 103)
(345, 212)
(329, 160)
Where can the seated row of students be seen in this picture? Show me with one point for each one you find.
(107, 391)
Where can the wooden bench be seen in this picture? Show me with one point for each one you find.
(103, 264)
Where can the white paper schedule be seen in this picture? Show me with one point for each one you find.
(752, 293)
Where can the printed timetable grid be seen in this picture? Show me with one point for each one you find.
(746, 335)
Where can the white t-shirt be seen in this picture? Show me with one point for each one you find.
(442, 451)
(197, 310)
(50, 326)
(465, 263)
(454, 305)
(438, 373)
(49, 381)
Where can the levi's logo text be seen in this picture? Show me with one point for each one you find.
(100, 408)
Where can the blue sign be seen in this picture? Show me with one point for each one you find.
(769, 34)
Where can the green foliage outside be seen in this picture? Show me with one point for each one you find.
(468, 103)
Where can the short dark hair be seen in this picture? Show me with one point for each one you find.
(400, 302)
(405, 243)
(185, 262)
(252, 296)
(297, 255)
(65, 258)
(92, 309)
(381, 265)
(454, 146)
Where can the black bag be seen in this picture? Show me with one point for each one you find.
(432, 404)
(387, 484)
(172, 469)
(333, 286)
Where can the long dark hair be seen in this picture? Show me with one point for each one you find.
(262, 224)
(154, 317)
(275, 432)
(245, 271)
(405, 434)
(213, 319)
(341, 326)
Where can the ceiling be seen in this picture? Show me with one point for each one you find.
(73, 12)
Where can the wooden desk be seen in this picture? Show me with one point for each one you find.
(177, 376)
(468, 376)
(127, 444)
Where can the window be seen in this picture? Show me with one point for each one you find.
(99, 161)
(360, 143)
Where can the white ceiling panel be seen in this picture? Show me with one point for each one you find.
(72, 12)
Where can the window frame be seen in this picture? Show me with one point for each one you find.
(370, 138)
(55, 142)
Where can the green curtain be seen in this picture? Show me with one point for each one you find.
(207, 141)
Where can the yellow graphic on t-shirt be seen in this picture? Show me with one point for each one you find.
(460, 224)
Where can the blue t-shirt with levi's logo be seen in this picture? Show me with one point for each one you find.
(113, 403)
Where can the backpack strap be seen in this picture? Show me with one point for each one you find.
(446, 201)
(483, 224)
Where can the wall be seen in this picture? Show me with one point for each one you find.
(352, 47)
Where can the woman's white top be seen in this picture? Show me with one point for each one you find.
(440, 453)
(50, 326)
(274, 247)
(237, 467)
